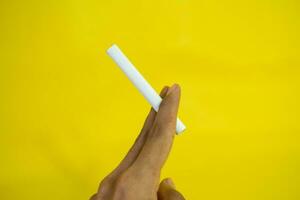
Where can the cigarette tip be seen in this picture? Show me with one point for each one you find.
(113, 47)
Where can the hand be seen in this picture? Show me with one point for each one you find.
(137, 176)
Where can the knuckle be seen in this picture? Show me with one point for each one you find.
(114, 188)
(123, 186)
(105, 185)
(123, 181)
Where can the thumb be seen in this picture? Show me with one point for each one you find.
(167, 191)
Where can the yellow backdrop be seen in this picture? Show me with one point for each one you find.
(68, 114)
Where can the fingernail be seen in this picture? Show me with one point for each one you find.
(170, 182)
(173, 88)
(164, 91)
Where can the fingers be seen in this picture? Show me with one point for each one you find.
(167, 113)
(150, 119)
(167, 191)
(156, 149)
(139, 142)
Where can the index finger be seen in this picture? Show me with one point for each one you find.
(159, 142)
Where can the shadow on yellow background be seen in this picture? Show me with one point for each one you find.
(69, 115)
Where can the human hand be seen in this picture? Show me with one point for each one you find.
(137, 176)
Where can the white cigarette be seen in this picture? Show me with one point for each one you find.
(139, 81)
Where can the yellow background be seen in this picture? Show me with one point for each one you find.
(68, 114)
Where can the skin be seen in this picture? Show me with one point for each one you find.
(137, 176)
